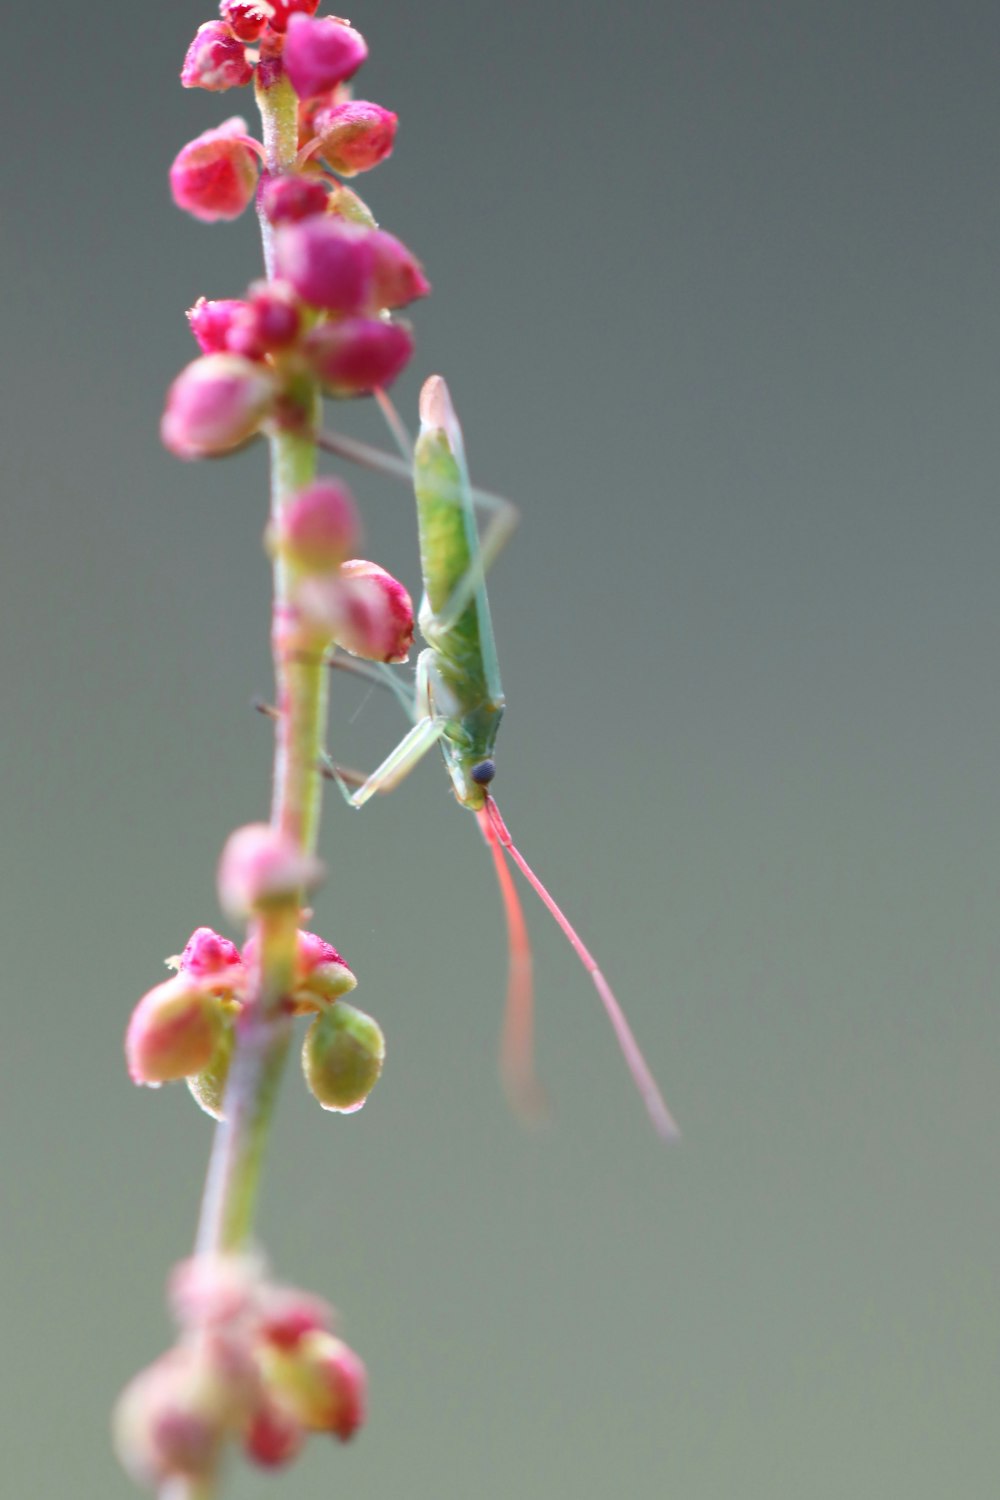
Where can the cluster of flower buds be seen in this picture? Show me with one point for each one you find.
(328, 314)
(186, 1026)
(255, 1361)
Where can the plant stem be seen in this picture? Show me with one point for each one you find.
(263, 1032)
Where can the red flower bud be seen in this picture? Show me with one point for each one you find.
(211, 321)
(214, 176)
(286, 1315)
(342, 1057)
(283, 10)
(355, 136)
(322, 1382)
(320, 54)
(215, 60)
(287, 199)
(268, 321)
(213, 960)
(216, 404)
(363, 608)
(274, 1438)
(172, 1031)
(329, 262)
(319, 528)
(354, 356)
(399, 276)
(246, 20)
(261, 868)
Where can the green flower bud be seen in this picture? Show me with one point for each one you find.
(342, 1057)
(208, 1087)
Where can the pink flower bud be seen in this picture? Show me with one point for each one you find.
(354, 356)
(363, 608)
(211, 321)
(286, 1315)
(215, 60)
(171, 1420)
(214, 176)
(320, 54)
(268, 321)
(282, 11)
(261, 868)
(342, 1057)
(246, 20)
(355, 136)
(399, 276)
(208, 957)
(274, 1438)
(322, 1383)
(324, 975)
(172, 1031)
(329, 262)
(319, 528)
(214, 1290)
(287, 199)
(216, 404)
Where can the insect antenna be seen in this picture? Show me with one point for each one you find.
(517, 1044)
(663, 1121)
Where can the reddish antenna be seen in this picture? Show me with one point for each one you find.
(519, 1014)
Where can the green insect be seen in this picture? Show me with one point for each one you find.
(458, 704)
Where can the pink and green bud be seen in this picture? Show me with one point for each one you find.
(330, 263)
(261, 869)
(210, 322)
(281, 12)
(172, 1419)
(285, 1315)
(342, 1057)
(287, 199)
(398, 277)
(215, 175)
(322, 1383)
(274, 1438)
(355, 136)
(320, 54)
(172, 1031)
(208, 1087)
(216, 404)
(319, 528)
(323, 974)
(212, 961)
(244, 19)
(346, 204)
(363, 609)
(355, 356)
(216, 60)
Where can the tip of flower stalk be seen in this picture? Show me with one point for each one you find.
(261, 868)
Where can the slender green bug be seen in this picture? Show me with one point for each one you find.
(458, 705)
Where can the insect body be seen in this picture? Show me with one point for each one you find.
(459, 703)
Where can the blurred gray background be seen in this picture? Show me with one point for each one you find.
(715, 288)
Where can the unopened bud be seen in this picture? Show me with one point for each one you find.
(355, 136)
(319, 528)
(211, 321)
(246, 20)
(320, 54)
(263, 868)
(398, 276)
(214, 176)
(355, 356)
(329, 262)
(216, 60)
(172, 1032)
(212, 960)
(268, 321)
(287, 199)
(345, 203)
(274, 1437)
(323, 974)
(342, 1057)
(281, 11)
(363, 608)
(322, 1382)
(215, 405)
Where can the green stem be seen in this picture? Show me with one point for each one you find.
(263, 1031)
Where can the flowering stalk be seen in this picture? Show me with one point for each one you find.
(255, 1361)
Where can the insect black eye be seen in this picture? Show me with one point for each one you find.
(484, 773)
